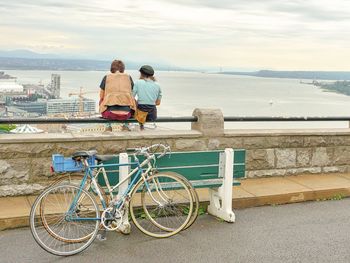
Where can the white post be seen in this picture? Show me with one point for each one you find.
(123, 173)
(224, 192)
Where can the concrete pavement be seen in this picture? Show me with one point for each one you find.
(306, 232)
(14, 211)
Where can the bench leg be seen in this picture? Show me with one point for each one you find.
(221, 198)
(123, 173)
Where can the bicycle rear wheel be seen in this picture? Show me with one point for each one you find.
(161, 206)
(63, 221)
(75, 179)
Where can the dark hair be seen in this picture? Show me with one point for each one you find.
(117, 65)
(145, 76)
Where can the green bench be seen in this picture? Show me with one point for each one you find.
(216, 170)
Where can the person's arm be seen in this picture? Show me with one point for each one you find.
(135, 89)
(132, 83)
(102, 89)
(102, 95)
(159, 97)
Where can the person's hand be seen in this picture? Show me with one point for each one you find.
(157, 102)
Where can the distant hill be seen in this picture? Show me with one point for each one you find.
(29, 60)
(23, 53)
(52, 64)
(315, 75)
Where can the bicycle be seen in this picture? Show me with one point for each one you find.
(109, 192)
(65, 218)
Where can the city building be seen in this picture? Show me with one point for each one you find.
(71, 106)
(39, 107)
(10, 86)
(55, 86)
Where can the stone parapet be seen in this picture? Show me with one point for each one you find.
(25, 160)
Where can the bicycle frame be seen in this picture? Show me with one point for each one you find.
(140, 175)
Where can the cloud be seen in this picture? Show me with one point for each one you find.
(188, 32)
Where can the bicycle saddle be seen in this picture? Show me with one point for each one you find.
(104, 158)
(83, 154)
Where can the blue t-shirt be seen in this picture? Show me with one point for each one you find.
(147, 91)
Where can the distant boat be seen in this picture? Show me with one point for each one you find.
(271, 102)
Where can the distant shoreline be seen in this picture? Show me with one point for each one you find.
(312, 75)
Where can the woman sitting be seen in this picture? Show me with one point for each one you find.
(148, 94)
(116, 100)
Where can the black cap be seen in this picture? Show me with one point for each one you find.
(147, 70)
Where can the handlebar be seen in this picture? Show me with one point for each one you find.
(146, 150)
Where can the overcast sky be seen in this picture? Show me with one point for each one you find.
(232, 34)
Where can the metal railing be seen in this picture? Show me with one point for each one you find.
(87, 120)
(168, 119)
(277, 119)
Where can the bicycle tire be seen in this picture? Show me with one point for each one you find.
(152, 209)
(57, 243)
(195, 197)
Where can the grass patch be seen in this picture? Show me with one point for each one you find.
(332, 198)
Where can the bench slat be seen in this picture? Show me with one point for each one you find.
(195, 166)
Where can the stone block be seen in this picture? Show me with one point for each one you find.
(25, 150)
(40, 169)
(210, 122)
(190, 145)
(321, 157)
(335, 169)
(20, 189)
(341, 155)
(309, 170)
(291, 141)
(266, 173)
(316, 141)
(113, 147)
(285, 158)
(260, 159)
(304, 157)
(14, 170)
(339, 140)
(255, 142)
(229, 142)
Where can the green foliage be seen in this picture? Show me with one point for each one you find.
(338, 197)
(334, 198)
(7, 127)
(202, 210)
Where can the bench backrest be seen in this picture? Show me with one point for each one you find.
(198, 165)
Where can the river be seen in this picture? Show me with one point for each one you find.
(234, 95)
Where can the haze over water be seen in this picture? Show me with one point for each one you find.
(235, 95)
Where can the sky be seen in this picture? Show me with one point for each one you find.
(226, 34)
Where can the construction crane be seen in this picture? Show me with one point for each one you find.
(81, 98)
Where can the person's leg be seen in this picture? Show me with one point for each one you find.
(108, 125)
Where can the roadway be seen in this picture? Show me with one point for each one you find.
(305, 232)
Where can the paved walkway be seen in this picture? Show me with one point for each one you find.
(14, 211)
(310, 232)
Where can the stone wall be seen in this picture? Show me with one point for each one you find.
(25, 159)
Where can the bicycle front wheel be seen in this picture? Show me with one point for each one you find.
(161, 206)
(64, 220)
(194, 197)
